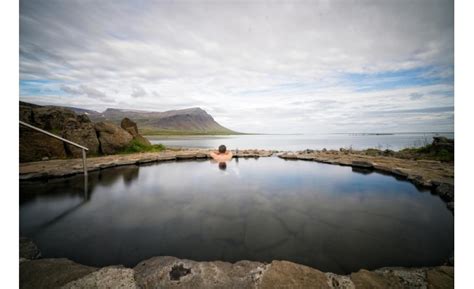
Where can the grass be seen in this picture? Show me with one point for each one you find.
(138, 147)
(427, 152)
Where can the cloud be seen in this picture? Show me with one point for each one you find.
(416, 95)
(301, 66)
(85, 91)
(138, 92)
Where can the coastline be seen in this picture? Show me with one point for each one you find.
(430, 174)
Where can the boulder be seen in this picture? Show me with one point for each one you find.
(284, 274)
(131, 127)
(362, 164)
(112, 138)
(28, 249)
(446, 191)
(368, 279)
(107, 277)
(80, 130)
(51, 118)
(50, 273)
(35, 145)
(170, 272)
(440, 277)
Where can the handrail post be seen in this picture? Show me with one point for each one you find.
(84, 161)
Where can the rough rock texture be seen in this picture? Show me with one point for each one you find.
(28, 249)
(112, 138)
(440, 277)
(35, 146)
(284, 274)
(50, 273)
(51, 118)
(366, 280)
(171, 272)
(131, 127)
(107, 277)
(81, 130)
(59, 121)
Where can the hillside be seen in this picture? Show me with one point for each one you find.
(182, 121)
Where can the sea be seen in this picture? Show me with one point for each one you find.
(296, 142)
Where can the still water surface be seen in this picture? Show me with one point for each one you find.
(325, 216)
(302, 142)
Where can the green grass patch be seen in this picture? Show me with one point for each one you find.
(427, 152)
(138, 147)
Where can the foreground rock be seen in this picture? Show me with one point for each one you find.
(107, 277)
(28, 249)
(284, 274)
(171, 272)
(51, 273)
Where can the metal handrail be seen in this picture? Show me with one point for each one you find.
(83, 148)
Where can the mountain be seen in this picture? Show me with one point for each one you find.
(182, 121)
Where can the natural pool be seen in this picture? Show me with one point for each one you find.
(329, 217)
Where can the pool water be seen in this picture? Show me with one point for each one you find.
(330, 217)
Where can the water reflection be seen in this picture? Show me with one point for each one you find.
(316, 214)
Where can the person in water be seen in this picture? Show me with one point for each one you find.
(222, 156)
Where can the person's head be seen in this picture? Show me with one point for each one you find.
(222, 149)
(222, 166)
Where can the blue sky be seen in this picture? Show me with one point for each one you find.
(275, 67)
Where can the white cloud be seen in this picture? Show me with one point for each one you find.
(255, 66)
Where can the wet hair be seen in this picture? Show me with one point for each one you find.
(222, 149)
(222, 166)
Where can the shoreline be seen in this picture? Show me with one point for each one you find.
(435, 175)
(172, 272)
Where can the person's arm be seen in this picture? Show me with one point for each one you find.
(213, 155)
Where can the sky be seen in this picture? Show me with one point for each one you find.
(255, 66)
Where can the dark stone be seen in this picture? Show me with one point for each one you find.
(446, 191)
(179, 271)
(50, 273)
(28, 249)
(440, 277)
(34, 146)
(362, 164)
(81, 131)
